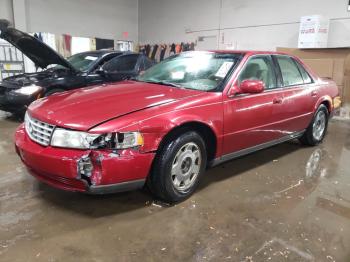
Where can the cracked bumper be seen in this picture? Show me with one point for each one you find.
(58, 167)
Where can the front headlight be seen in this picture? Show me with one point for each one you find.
(72, 139)
(28, 90)
(82, 140)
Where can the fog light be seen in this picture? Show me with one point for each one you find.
(85, 166)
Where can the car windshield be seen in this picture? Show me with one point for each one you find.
(80, 62)
(83, 61)
(203, 71)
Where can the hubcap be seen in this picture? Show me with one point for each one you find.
(319, 125)
(186, 166)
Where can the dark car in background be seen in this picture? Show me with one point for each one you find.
(58, 74)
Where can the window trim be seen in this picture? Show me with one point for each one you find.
(275, 56)
(300, 66)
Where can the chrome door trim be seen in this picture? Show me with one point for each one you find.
(253, 149)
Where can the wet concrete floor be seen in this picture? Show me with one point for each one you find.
(286, 203)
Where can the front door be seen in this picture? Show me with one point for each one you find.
(253, 119)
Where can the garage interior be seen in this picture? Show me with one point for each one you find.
(285, 203)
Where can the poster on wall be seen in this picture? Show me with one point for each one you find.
(313, 32)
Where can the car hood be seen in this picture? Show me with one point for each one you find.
(86, 108)
(41, 54)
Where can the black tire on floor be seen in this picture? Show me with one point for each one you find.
(160, 181)
(309, 137)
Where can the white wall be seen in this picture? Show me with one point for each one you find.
(6, 11)
(86, 18)
(239, 24)
(167, 20)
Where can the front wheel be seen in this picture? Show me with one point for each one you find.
(178, 167)
(316, 131)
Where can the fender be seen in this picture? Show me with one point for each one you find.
(154, 136)
(322, 99)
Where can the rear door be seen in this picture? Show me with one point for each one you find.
(254, 119)
(299, 94)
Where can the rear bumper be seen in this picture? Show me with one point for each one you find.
(112, 172)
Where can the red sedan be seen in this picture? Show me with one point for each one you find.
(164, 128)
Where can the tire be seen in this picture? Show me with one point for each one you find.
(177, 167)
(53, 91)
(317, 129)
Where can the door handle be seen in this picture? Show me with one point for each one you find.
(277, 100)
(314, 93)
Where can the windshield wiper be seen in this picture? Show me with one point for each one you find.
(166, 83)
(156, 82)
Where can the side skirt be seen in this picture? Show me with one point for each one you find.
(253, 149)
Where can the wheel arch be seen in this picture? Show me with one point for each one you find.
(325, 100)
(204, 130)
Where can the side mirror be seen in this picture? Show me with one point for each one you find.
(252, 86)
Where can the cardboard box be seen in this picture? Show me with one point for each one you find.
(331, 63)
(323, 67)
(346, 91)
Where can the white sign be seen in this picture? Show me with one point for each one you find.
(313, 32)
(223, 70)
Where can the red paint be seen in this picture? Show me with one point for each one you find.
(238, 122)
(251, 87)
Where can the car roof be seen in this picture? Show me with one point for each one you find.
(248, 52)
(102, 52)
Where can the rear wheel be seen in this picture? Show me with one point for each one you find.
(316, 131)
(178, 167)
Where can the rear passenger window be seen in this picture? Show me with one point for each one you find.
(306, 77)
(290, 72)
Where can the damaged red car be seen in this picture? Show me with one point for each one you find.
(164, 128)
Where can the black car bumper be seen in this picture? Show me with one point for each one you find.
(15, 103)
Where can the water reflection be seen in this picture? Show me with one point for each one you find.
(314, 168)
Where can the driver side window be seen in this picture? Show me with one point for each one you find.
(124, 63)
(259, 68)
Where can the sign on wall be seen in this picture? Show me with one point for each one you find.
(313, 32)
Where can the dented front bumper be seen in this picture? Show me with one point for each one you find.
(105, 171)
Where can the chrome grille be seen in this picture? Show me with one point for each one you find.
(38, 131)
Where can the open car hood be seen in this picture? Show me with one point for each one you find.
(41, 54)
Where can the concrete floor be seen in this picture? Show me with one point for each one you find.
(286, 203)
